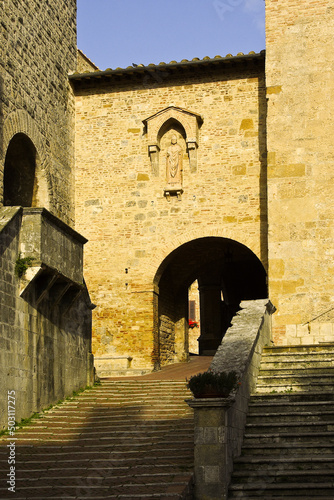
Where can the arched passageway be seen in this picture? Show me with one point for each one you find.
(20, 172)
(227, 273)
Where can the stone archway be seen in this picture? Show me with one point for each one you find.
(23, 183)
(227, 272)
(21, 131)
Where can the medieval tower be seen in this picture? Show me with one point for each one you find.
(45, 316)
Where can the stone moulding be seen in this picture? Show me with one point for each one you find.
(190, 122)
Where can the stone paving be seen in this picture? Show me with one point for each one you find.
(129, 438)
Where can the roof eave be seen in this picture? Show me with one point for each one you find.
(162, 67)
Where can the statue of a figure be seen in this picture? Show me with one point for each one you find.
(174, 163)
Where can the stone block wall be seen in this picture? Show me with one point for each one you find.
(300, 130)
(49, 241)
(120, 204)
(45, 346)
(37, 51)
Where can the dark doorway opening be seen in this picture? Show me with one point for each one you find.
(19, 172)
(227, 272)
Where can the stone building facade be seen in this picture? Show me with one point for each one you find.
(216, 171)
(151, 234)
(45, 309)
(249, 210)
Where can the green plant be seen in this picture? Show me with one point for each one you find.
(26, 421)
(210, 383)
(22, 264)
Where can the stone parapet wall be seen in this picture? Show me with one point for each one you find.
(45, 346)
(220, 422)
(241, 351)
(49, 241)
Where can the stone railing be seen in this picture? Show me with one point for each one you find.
(220, 422)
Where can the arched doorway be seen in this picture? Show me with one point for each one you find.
(20, 186)
(227, 273)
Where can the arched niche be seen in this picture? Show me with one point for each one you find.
(24, 183)
(158, 123)
(172, 136)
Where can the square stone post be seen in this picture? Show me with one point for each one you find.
(210, 460)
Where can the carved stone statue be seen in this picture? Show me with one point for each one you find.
(174, 164)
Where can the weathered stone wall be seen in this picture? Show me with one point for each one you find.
(45, 316)
(37, 51)
(45, 345)
(300, 130)
(120, 204)
(84, 64)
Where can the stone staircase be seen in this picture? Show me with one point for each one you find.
(288, 448)
(126, 439)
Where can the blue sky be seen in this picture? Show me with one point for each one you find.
(117, 33)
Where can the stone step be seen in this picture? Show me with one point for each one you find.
(325, 397)
(125, 440)
(295, 356)
(265, 490)
(302, 376)
(282, 386)
(291, 371)
(292, 388)
(289, 426)
(95, 488)
(278, 475)
(275, 496)
(271, 364)
(306, 463)
(292, 438)
(267, 405)
(287, 448)
(305, 349)
(316, 416)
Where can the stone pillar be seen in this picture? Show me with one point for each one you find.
(211, 318)
(210, 454)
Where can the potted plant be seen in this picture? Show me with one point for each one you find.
(213, 384)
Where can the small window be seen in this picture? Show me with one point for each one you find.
(192, 310)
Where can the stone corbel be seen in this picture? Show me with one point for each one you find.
(153, 151)
(192, 152)
(173, 191)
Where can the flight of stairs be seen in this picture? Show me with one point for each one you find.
(125, 439)
(288, 448)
